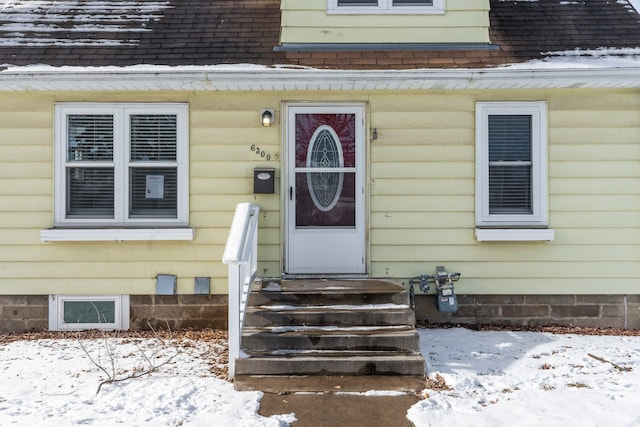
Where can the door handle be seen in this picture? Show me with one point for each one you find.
(291, 193)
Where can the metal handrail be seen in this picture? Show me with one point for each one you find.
(241, 256)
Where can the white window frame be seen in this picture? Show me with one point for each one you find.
(386, 7)
(120, 112)
(539, 216)
(56, 312)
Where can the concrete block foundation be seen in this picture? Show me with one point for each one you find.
(599, 311)
(19, 313)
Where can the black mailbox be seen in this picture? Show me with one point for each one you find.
(263, 180)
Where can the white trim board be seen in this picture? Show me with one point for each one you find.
(514, 234)
(115, 234)
(270, 79)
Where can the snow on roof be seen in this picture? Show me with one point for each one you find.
(585, 58)
(634, 3)
(50, 22)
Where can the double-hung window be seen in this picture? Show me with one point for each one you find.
(511, 164)
(386, 6)
(121, 165)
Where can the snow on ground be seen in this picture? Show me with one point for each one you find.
(487, 378)
(530, 379)
(54, 383)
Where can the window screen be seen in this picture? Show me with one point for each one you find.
(510, 164)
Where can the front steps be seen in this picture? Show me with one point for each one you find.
(328, 335)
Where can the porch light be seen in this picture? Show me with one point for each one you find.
(267, 116)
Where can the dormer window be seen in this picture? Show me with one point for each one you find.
(386, 6)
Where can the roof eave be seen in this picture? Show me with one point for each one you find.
(281, 79)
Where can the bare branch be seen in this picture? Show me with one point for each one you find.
(98, 365)
(618, 367)
(139, 374)
(147, 363)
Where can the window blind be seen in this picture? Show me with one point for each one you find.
(89, 168)
(90, 192)
(90, 137)
(153, 192)
(510, 165)
(153, 137)
(153, 189)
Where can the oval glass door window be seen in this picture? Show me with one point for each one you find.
(325, 151)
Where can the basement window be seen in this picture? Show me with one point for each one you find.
(386, 6)
(88, 312)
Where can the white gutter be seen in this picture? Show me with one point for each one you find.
(253, 78)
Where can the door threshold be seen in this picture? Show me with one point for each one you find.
(324, 276)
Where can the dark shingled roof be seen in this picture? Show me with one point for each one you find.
(208, 32)
(175, 32)
(528, 28)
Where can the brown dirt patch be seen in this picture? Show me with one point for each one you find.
(577, 330)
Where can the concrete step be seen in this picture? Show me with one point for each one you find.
(320, 298)
(325, 292)
(296, 329)
(342, 363)
(260, 341)
(329, 383)
(369, 315)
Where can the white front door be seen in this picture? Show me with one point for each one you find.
(325, 212)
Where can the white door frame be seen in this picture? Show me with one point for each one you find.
(302, 245)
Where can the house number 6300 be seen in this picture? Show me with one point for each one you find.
(262, 153)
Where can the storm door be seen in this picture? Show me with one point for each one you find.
(325, 212)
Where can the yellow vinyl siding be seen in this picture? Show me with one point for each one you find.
(594, 135)
(455, 18)
(505, 253)
(422, 194)
(307, 21)
(222, 129)
(594, 180)
(388, 35)
(599, 219)
(421, 184)
(26, 182)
